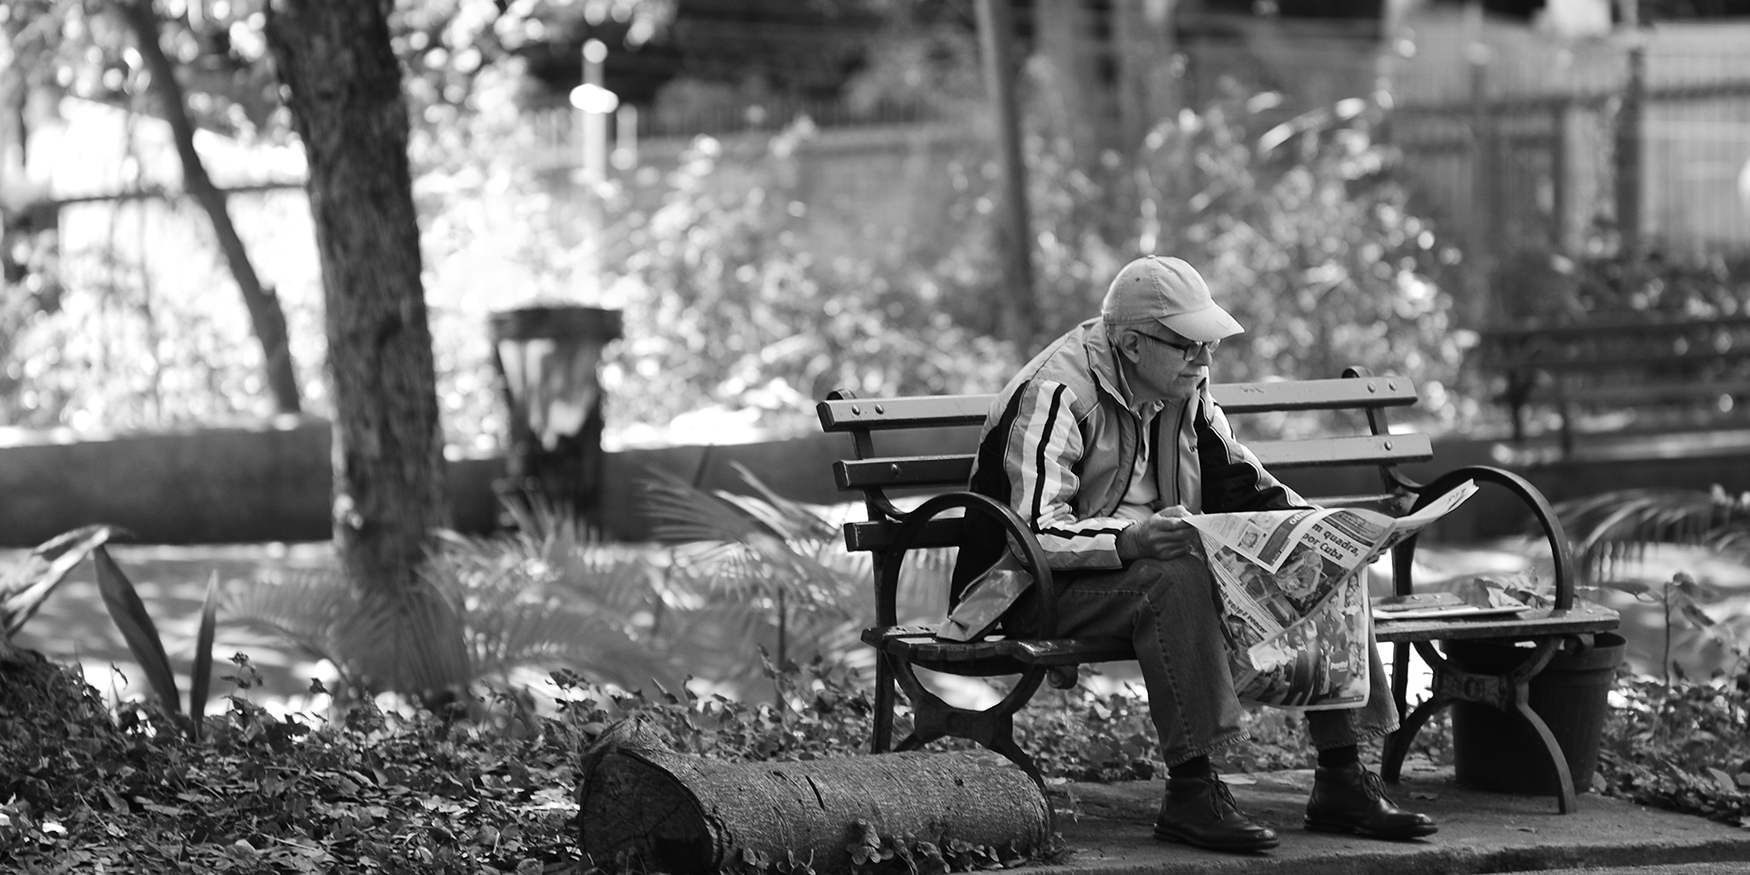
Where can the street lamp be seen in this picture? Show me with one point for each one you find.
(595, 102)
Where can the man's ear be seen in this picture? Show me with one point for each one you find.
(1129, 345)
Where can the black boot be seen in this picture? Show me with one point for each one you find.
(1201, 812)
(1351, 799)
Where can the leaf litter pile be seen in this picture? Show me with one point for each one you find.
(89, 789)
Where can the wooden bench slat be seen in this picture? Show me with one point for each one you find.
(1583, 617)
(1335, 452)
(915, 411)
(878, 536)
(911, 472)
(903, 471)
(1337, 394)
(920, 643)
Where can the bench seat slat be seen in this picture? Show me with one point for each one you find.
(1582, 618)
(919, 644)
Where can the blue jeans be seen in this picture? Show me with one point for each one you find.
(1170, 611)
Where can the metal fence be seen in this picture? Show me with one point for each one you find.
(1640, 144)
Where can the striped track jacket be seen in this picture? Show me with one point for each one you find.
(1059, 447)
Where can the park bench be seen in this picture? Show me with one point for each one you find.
(939, 476)
(1672, 372)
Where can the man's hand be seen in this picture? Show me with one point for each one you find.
(1164, 536)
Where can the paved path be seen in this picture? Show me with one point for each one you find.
(1108, 831)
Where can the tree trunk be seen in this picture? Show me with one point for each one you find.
(1019, 319)
(1146, 50)
(344, 82)
(678, 813)
(1082, 104)
(266, 315)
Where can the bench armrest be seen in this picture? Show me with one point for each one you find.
(887, 580)
(1561, 554)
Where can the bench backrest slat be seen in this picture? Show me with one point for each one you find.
(1341, 394)
(924, 472)
(918, 411)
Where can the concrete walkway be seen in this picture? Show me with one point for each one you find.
(1107, 828)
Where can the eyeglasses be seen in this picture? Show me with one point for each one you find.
(1192, 349)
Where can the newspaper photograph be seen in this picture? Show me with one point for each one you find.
(1294, 604)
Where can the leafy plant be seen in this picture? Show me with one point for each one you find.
(1615, 528)
(537, 598)
(1680, 744)
(141, 635)
(26, 585)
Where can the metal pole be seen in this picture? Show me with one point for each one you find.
(595, 124)
(996, 35)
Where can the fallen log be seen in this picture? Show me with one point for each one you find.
(644, 806)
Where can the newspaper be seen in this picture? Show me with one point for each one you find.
(1294, 604)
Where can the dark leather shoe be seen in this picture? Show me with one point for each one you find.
(1201, 812)
(1352, 799)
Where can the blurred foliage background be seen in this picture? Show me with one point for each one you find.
(118, 313)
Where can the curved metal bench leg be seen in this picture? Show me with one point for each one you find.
(1397, 744)
(882, 736)
(1566, 799)
(992, 728)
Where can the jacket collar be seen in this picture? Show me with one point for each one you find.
(1103, 361)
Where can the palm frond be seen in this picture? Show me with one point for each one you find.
(683, 512)
(1613, 528)
(305, 609)
(509, 635)
(792, 520)
(410, 641)
(613, 577)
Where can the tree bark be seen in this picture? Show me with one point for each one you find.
(1019, 319)
(344, 85)
(266, 315)
(1146, 50)
(678, 813)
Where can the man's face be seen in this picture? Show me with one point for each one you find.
(1166, 363)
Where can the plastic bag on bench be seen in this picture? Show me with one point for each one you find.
(985, 600)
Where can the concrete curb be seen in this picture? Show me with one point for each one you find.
(1107, 830)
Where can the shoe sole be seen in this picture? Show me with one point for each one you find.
(1166, 835)
(1416, 832)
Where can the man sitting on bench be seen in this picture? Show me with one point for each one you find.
(1102, 443)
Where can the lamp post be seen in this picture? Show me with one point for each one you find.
(595, 103)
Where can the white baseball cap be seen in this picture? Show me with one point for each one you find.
(1170, 292)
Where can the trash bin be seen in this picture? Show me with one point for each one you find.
(547, 359)
(1495, 750)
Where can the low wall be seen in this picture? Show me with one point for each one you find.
(235, 485)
